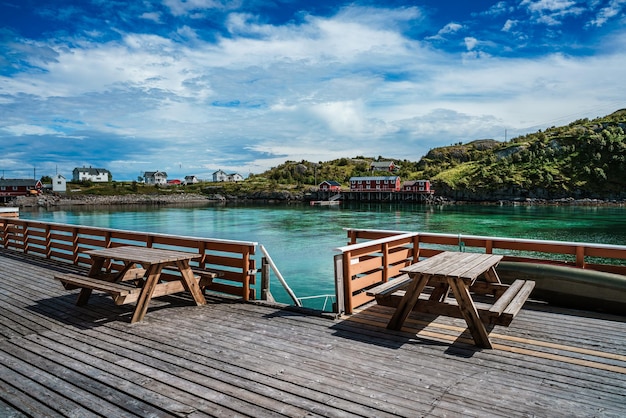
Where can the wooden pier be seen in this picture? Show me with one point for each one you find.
(231, 358)
(376, 196)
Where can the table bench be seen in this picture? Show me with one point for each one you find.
(501, 312)
(455, 273)
(143, 267)
(123, 292)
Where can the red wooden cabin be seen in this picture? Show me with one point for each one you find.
(375, 184)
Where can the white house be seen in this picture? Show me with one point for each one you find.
(155, 177)
(221, 175)
(96, 175)
(191, 180)
(59, 184)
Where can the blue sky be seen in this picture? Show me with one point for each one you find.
(193, 86)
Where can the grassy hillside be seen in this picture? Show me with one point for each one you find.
(586, 158)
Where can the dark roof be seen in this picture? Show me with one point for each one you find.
(154, 173)
(332, 182)
(92, 171)
(374, 178)
(19, 182)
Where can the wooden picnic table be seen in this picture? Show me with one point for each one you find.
(153, 260)
(147, 280)
(449, 270)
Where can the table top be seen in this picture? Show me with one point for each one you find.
(142, 254)
(466, 266)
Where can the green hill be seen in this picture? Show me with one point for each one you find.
(586, 158)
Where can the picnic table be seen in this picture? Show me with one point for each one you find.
(145, 281)
(457, 271)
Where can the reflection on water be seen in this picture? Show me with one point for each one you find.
(301, 239)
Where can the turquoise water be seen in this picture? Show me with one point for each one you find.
(301, 239)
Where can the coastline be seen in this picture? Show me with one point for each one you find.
(282, 197)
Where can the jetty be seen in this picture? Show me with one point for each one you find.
(240, 356)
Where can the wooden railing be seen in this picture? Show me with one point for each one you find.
(373, 257)
(67, 243)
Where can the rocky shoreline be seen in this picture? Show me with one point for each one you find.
(267, 197)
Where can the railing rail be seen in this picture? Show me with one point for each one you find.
(68, 243)
(375, 256)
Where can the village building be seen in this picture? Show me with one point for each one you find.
(417, 186)
(191, 180)
(375, 184)
(95, 175)
(59, 184)
(235, 177)
(155, 177)
(330, 186)
(389, 166)
(11, 188)
(222, 176)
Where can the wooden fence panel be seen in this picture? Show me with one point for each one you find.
(375, 256)
(69, 242)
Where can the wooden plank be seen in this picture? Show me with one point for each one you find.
(516, 304)
(96, 284)
(503, 301)
(255, 360)
(391, 286)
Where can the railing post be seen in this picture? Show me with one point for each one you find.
(385, 252)
(266, 294)
(580, 257)
(347, 281)
(416, 248)
(340, 300)
(75, 245)
(48, 241)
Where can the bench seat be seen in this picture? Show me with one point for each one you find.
(120, 292)
(123, 293)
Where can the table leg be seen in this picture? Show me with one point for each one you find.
(491, 275)
(96, 266)
(94, 271)
(408, 302)
(152, 279)
(469, 312)
(189, 282)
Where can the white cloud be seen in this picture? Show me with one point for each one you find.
(185, 7)
(552, 12)
(508, 25)
(26, 129)
(614, 8)
(153, 16)
(470, 43)
(320, 89)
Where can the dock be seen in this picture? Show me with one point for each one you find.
(236, 358)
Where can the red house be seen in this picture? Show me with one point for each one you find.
(417, 186)
(330, 186)
(375, 184)
(10, 188)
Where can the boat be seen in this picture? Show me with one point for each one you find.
(570, 287)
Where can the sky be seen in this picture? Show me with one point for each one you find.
(190, 87)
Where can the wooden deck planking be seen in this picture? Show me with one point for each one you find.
(231, 359)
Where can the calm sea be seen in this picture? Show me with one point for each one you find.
(301, 239)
